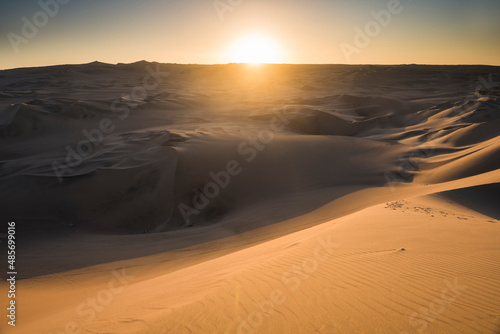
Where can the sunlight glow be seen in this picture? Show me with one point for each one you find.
(255, 49)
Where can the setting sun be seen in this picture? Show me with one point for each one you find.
(255, 49)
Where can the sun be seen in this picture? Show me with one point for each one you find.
(255, 49)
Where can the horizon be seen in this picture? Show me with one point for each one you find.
(234, 63)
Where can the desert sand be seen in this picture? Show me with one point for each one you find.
(164, 198)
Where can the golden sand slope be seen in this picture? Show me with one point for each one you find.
(348, 275)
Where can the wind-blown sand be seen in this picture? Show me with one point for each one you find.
(346, 199)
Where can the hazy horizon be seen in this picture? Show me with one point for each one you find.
(235, 63)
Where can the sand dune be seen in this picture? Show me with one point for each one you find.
(240, 199)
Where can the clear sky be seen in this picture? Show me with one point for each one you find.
(288, 31)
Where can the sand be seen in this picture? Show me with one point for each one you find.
(163, 198)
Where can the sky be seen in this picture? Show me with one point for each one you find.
(50, 32)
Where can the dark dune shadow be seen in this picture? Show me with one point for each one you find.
(483, 199)
(90, 249)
